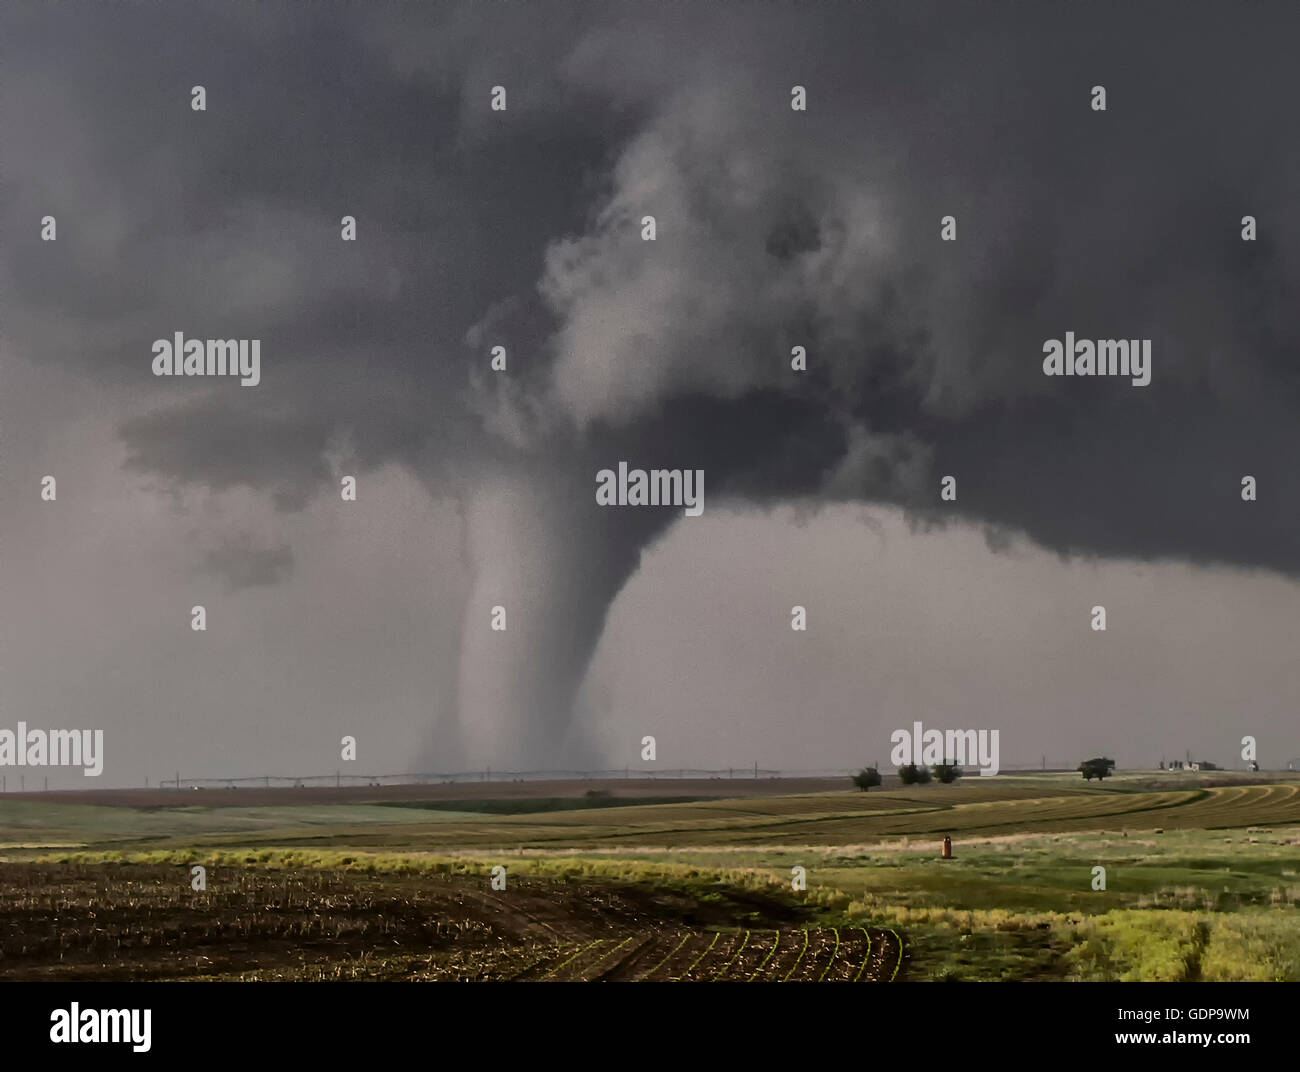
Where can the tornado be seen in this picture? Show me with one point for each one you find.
(539, 547)
(543, 552)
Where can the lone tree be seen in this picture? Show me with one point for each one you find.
(913, 775)
(1098, 768)
(947, 773)
(866, 778)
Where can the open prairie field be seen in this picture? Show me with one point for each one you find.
(1053, 878)
(676, 819)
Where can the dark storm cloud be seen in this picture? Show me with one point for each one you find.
(824, 231)
(226, 223)
(775, 229)
(220, 445)
(242, 565)
(1125, 221)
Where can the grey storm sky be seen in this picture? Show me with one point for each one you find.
(775, 228)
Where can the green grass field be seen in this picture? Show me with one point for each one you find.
(1201, 881)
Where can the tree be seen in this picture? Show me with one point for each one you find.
(947, 773)
(866, 778)
(1098, 768)
(913, 775)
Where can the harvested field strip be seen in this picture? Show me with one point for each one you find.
(537, 962)
(804, 950)
(500, 902)
(832, 804)
(834, 954)
(865, 956)
(550, 974)
(1050, 809)
(732, 828)
(775, 945)
(826, 955)
(143, 921)
(687, 972)
(670, 954)
(1282, 796)
(1067, 808)
(897, 966)
(1228, 804)
(740, 949)
(606, 957)
(1234, 794)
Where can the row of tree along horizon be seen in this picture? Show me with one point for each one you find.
(914, 774)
